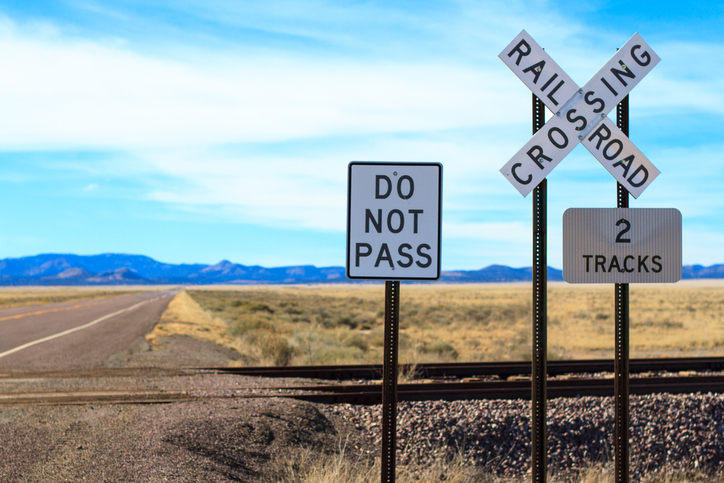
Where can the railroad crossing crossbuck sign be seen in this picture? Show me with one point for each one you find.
(580, 114)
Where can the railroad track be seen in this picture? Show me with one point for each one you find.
(503, 370)
(516, 389)
(479, 381)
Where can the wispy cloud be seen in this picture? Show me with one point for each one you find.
(64, 92)
(250, 111)
(106, 97)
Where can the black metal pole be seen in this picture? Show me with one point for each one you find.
(389, 382)
(539, 383)
(621, 362)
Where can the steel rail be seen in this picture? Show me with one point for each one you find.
(372, 394)
(482, 369)
(368, 394)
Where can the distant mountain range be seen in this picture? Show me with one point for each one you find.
(119, 269)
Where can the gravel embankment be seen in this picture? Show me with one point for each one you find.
(250, 439)
(232, 438)
(667, 431)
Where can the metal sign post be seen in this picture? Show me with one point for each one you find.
(539, 382)
(621, 246)
(579, 117)
(621, 361)
(389, 381)
(394, 214)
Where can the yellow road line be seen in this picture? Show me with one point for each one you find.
(39, 312)
(70, 331)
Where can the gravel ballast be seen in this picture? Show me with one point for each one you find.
(667, 432)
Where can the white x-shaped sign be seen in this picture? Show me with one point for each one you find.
(580, 114)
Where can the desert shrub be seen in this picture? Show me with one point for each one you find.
(291, 309)
(215, 307)
(347, 321)
(665, 323)
(356, 340)
(257, 307)
(440, 349)
(248, 322)
(335, 355)
(276, 350)
(479, 314)
(377, 337)
(365, 323)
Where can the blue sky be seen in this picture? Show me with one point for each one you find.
(195, 131)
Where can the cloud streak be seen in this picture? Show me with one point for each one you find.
(82, 95)
(249, 113)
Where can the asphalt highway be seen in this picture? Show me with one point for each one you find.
(75, 335)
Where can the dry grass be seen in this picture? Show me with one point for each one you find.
(23, 296)
(309, 467)
(343, 324)
(683, 319)
(184, 316)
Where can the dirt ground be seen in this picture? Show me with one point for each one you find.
(217, 440)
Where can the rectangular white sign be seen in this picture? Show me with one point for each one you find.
(622, 245)
(394, 215)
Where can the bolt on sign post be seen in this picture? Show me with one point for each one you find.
(394, 213)
(580, 117)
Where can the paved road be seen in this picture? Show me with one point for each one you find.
(75, 335)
